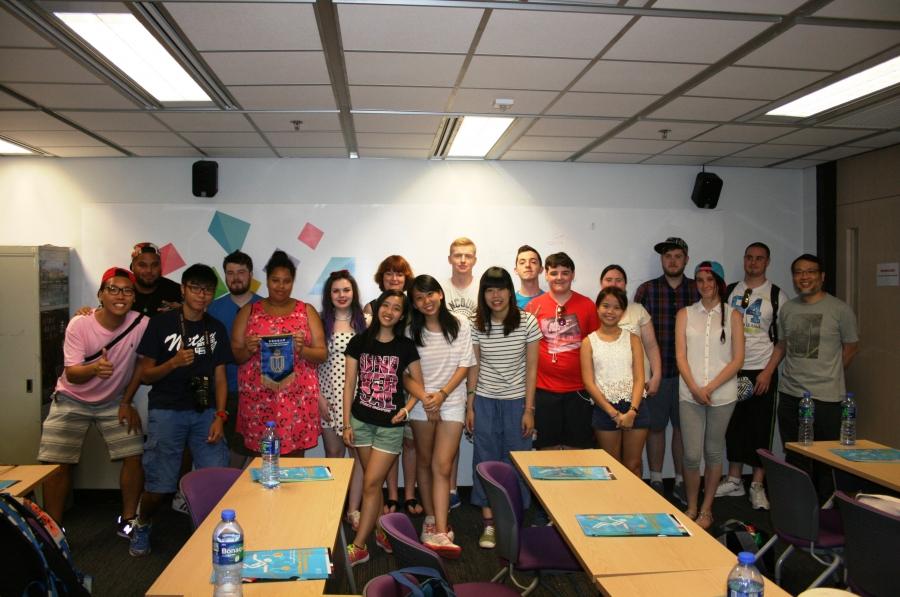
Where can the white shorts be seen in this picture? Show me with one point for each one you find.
(454, 410)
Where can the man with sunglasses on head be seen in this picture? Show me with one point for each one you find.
(183, 357)
(155, 294)
(96, 387)
(753, 420)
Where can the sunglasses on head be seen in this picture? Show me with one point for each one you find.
(745, 300)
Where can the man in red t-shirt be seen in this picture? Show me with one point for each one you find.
(562, 417)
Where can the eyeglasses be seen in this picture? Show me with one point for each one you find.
(197, 289)
(745, 301)
(805, 272)
(560, 315)
(117, 290)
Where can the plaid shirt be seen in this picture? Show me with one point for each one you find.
(663, 302)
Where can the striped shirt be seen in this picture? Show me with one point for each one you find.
(501, 373)
(663, 303)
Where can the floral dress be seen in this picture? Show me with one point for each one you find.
(294, 407)
(331, 380)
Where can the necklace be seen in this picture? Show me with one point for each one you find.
(348, 318)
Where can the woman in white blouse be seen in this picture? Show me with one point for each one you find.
(709, 350)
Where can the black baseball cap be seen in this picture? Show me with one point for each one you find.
(673, 242)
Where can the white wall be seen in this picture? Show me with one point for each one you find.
(368, 209)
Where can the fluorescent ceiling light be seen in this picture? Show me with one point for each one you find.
(8, 148)
(476, 136)
(844, 91)
(122, 39)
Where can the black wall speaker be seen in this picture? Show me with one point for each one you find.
(707, 187)
(205, 182)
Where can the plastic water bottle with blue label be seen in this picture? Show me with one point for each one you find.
(228, 556)
(744, 580)
(848, 420)
(270, 448)
(807, 418)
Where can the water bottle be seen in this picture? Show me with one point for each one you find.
(744, 580)
(848, 420)
(270, 448)
(228, 556)
(807, 414)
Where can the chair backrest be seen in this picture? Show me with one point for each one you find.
(501, 484)
(203, 488)
(870, 550)
(408, 551)
(794, 504)
(384, 586)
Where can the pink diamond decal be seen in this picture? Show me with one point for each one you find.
(170, 258)
(310, 236)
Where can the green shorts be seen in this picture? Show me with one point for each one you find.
(383, 439)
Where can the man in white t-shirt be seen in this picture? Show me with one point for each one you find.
(753, 420)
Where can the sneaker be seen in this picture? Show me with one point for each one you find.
(455, 502)
(381, 540)
(124, 526)
(140, 540)
(730, 487)
(428, 529)
(758, 499)
(179, 504)
(357, 555)
(443, 546)
(488, 539)
(657, 486)
(679, 494)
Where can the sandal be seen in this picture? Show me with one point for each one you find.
(691, 515)
(353, 519)
(412, 507)
(704, 519)
(390, 506)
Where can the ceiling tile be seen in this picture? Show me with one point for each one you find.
(145, 139)
(885, 114)
(394, 140)
(164, 152)
(601, 104)
(280, 97)
(744, 162)
(115, 121)
(828, 48)
(396, 123)
(32, 120)
(645, 146)
(84, 152)
(876, 10)
(536, 156)
(384, 152)
(481, 101)
(745, 133)
(573, 127)
(683, 40)
(533, 33)
(777, 151)
(665, 159)
(798, 164)
(613, 158)
(238, 152)
(677, 131)
(312, 152)
(311, 121)
(423, 99)
(702, 108)
(38, 65)
(96, 97)
(775, 7)
(636, 77)
(69, 138)
(883, 140)
(408, 28)
(707, 148)
(820, 137)
(536, 143)
(247, 26)
(838, 153)
(269, 68)
(513, 72)
(16, 34)
(744, 82)
(414, 70)
(205, 140)
(205, 121)
(304, 139)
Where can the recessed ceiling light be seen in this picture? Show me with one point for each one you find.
(477, 135)
(867, 82)
(8, 148)
(122, 39)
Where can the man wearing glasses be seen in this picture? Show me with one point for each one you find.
(155, 294)
(183, 357)
(97, 387)
(562, 417)
(818, 333)
(753, 419)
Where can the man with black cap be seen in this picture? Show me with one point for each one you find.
(663, 297)
(155, 294)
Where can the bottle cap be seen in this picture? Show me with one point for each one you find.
(270, 423)
(849, 394)
(746, 558)
(228, 515)
(806, 394)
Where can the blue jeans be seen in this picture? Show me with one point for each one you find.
(168, 433)
(498, 431)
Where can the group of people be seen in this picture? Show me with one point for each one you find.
(517, 368)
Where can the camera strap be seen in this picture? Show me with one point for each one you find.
(207, 344)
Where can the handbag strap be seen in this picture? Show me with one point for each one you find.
(115, 340)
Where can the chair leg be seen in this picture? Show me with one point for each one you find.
(527, 589)
(826, 573)
(780, 562)
(772, 541)
(499, 576)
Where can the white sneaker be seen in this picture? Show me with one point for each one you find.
(428, 529)
(758, 499)
(179, 504)
(730, 487)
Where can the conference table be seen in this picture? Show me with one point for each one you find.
(615, 563)
(28, 476)
(689, 583)
(294, 515)
(886, 474)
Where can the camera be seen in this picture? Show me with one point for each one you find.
(198, 389)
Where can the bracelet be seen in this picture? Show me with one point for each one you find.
(529, 408)
(405, 412)
(444, 393)
(634, 408)
(222, 414)
(470, 393)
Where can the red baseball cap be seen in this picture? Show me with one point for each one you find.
(117, 272)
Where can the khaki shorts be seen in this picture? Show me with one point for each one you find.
(68, 421)
(383, 439)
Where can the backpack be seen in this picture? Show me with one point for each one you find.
(37, 560)
(773, 298)
(430, 582)
(739, 536)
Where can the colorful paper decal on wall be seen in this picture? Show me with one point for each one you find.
(170, 259)
(334, 264)
(228, 231)
(310, 236)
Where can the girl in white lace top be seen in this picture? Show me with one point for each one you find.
(612, 369)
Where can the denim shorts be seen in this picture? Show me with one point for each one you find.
(169, 432)
(383, 439)
(664, 406)
(498, 431)
(601, 421)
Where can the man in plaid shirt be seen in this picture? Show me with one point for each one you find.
(663, 297)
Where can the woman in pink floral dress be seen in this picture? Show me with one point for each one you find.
(295, 403)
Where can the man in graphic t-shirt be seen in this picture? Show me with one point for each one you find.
(155, 294)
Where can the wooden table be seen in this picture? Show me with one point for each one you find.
(886, 474)
(692, 583)
(28, 476)
(615, 556)
(293, 515)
